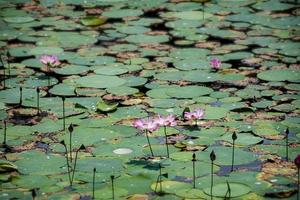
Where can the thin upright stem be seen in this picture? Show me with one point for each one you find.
(94, 177)
(70, 146)
(74, 168)
(287, 147)
(194, 175)
(211, 180)
(5, 127)
(4, 78)
(21, 96)
(38, 101)
(298, 183)
(112, 188)
(165, 130)
(149, 143)
(160, 182)
(48, 76)
(64, 120)
(68, 165)
(232, 161)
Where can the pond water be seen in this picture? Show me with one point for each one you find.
(86, 87)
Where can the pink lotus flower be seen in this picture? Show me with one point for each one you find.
(165, 121)
(146, 124)
(50, 60)
(197, 114)
(188, 115)
(297, 161)
(215, 63)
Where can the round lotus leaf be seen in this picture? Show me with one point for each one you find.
(163, 103)
(179, 24)
(187, 15)
(141, 38)
(93, 21)
(20, 51)
(12, 96)
(280, 75)
(33, 181)
(105, 193)
(237, 189)
(171, 186)
(87, 164)
(189, 53)
(121, 13)
(47, 126)
(110, 70)
(103, 106)
(40, 163)
(45, 51)
(169, 76)
(201, 76)
(98, 60)
(272, 5)
(123, 47)
(71, 70)
(63, 90)
(17, 19)
(190, 193)
(278, 150)
(292, 86)
(132, 29)
(138, 185)
(18, 131)
(122, 91)
(129, 112)
(134, 81)
(190, 64)
(224, 154)
(243, 139)
(188, 91)
(215, 112)
(99, 81)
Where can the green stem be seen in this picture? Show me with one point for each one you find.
(5, 127)
(113, 188)
(48, 76)
(211, 180)
(64, 120)
(4, 78)
(68, 165)
(287, 147)
(38, 102)
(232, 161)
(94, 176)
(149, 143)
(165, 130)
(70, 146)
(298, 183)
(194, 175)
(21, 96)
(74, 168)
(160, 183)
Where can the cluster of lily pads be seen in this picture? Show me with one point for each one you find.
(78, 78)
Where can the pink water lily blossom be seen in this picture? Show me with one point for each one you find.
(189, 115)
(215, 63)
(166, 121)
(196, 114)
(146, 124)
(50, 60)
